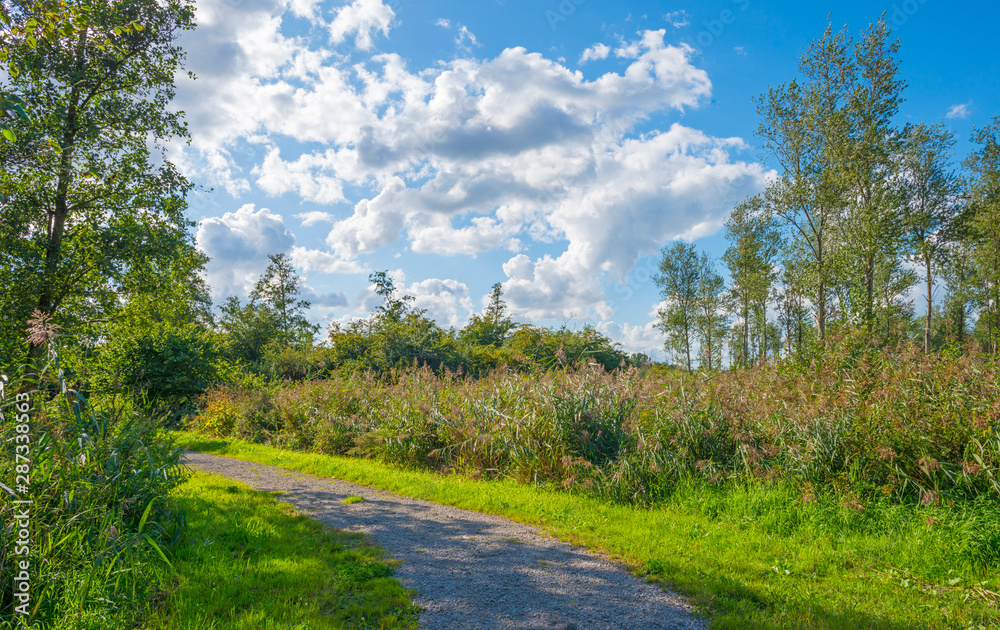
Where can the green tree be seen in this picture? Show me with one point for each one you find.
(710, 321)
(247, 330)
(678, 278)
(278, 289)
(493, 326)
(87, 196)
(754, 245)
(865, 146)
(984, 226)
(931, 193)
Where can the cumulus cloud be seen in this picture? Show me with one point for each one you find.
(595, 53)
(470, 156)
(363, 19)
(316, 260)
(238, 244)
(961, 111)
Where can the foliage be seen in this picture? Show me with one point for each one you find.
(277, 290)
(89, 204)
(100, 523)
(864, 421)
(165, 368)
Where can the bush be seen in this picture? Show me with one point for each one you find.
(165, 367)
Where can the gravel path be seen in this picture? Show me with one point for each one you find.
(472, 571)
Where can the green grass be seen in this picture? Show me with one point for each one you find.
(251, 562)
(351, 500)
(751, 556)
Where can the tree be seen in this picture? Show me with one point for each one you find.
(805, 196)
(493, 326)
(86, 197)
(711, 322)
(278, 289)
(984, 226)
(247, 329)
(931, 192)
(834, 139)
(678, 279)
(864, 149)
(754, 244)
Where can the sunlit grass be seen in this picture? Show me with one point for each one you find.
(752, 555)
(250, 562)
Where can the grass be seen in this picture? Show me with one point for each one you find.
(251, 562)
(751, 555)
(351, 500)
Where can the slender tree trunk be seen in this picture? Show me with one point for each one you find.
(930, 304)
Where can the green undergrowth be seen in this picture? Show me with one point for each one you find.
(250, 562)
(750, 555)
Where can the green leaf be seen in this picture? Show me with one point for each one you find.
(145, 515)
(9, 135)
(153, 544)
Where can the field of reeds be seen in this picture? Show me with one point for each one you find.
(862, 423)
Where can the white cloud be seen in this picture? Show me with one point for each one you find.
(310, 176)
(677, 19)
(361, 18)
(740, 50)
(313, 217)
(466, 39)
(238, 244)
(443, 23)
(470, 156)
(315, 260)
(595, 53)
(447, 301)
(961, 111)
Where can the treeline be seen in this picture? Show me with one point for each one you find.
(862, 212)
(270, 336)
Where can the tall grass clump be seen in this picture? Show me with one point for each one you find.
(863, 423)
(101, 527)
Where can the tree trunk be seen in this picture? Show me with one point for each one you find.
(930, 304)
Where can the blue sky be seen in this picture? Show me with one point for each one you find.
(552, 146)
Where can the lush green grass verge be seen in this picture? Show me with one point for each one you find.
(250, 562)
(753, 556)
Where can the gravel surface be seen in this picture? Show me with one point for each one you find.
(473, 571)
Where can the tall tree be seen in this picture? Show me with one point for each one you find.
(711, 321)
(864, 151)
(678, 278)
(984, 201)
(278, 289)
(805, 196)
(87, 196)
(931, 193)
(754, 244)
